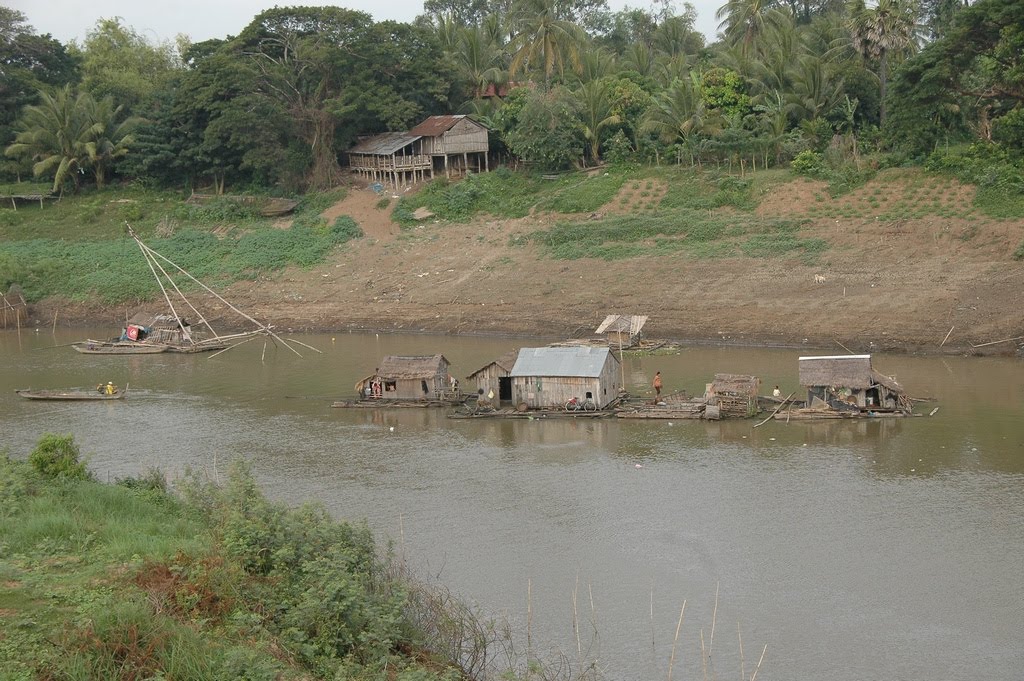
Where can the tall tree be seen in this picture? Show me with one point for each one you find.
(117, 62)
(544, 41)
(29, 63)
(887, 32)
(303, 58)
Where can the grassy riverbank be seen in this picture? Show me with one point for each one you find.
(903, 258)
(129, 581)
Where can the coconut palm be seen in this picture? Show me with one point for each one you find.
(745, 21)
(815, 91)
(543, 41)
(679, 114)
(595, 114)
(889, 30)
(479, 62)
(53, 135)
(108, 137)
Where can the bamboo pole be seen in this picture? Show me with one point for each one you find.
(770, 418)
(263, 327)
(672, 657)
(947, 336)
(1005, 340)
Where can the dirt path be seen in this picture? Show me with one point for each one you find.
(923, 283)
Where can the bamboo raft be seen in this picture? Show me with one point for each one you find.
(392, 404)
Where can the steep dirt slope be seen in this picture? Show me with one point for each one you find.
(895, 277)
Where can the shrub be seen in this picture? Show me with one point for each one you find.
(808, 163)
(57, 456)
(345, 229)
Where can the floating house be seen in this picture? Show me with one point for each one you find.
(622, 330)
(848, 383)
(496, 377)
(547, 378)
(732, 395)
(421, 377)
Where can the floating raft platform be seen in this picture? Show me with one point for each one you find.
(812, 414)
(392, 404)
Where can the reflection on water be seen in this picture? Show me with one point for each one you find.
(880, 548)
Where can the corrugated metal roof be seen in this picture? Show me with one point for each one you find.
(584, 362)
(436, 125)
(416, 366)
(385, 143)
(625, 323)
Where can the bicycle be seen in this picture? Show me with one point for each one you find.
(576, 404)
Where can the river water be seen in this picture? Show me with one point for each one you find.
(881, 549)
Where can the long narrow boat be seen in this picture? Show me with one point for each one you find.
(70, 395)
(117, 348)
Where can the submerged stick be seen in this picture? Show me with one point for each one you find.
(672, 657)
(758, 668)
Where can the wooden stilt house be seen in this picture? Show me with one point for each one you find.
(422, 377)
(391, 158)
(456, 144)
(547, 378)
(496, 377)
(849, 383)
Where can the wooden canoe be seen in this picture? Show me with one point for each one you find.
(70, 395)
(116, 348)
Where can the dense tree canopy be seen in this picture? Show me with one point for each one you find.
(280, 103)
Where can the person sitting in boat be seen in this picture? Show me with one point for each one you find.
(109, 388)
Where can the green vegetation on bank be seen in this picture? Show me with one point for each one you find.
(78, 247)
(129, 581)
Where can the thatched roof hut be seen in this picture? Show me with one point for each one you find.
(622, 330)
(844, 381)
(415, 377)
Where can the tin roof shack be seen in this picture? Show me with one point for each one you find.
(453, 143)
(547, 378)
(496, 376)
(423, 377)
(394, 158)
(732, 395)
(622, 330)
(848, 383)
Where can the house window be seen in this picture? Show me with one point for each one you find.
(590, 395)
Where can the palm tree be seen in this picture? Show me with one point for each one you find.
(53, 136)
(640, 58)
(479, 62)
(744, 21)
(542, 40)
(108, 138)
(888, 30)
(596, 114)
(815, 91)
(679, 113)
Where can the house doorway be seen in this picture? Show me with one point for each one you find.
(505, 388)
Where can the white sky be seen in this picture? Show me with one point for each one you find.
(161, 20)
